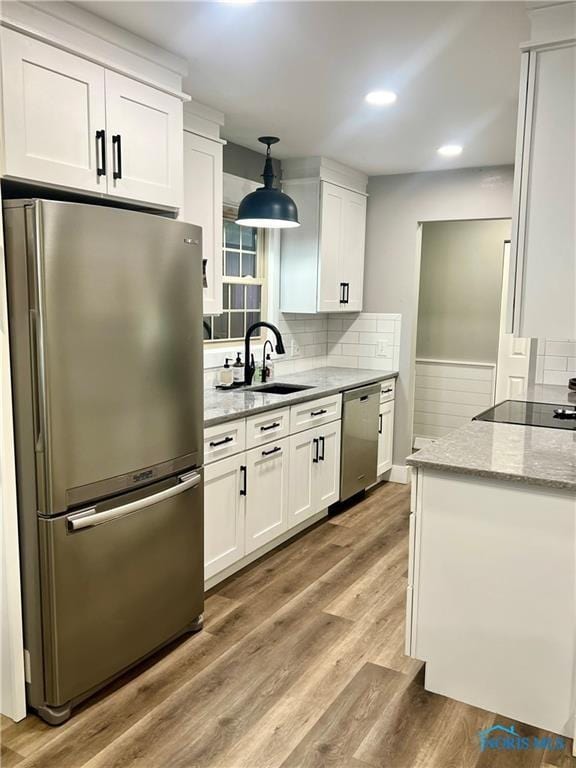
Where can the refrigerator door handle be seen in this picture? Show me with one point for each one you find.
(38, 412)
(89, 517)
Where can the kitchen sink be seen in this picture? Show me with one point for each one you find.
(276, 388)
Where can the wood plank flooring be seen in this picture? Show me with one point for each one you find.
(300, 665)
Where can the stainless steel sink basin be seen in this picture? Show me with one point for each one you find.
(277, 388)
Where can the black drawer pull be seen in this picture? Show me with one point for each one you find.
(363, 398)
(245, 478)
(321, 412)
(315, 457)
(101, 137)
(216, 443)
(270, 426)
(323, 444)
(384, 391)
(117, 144)
(380, 424)
(273, 450)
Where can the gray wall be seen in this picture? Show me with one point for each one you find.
(396, 206)
(246, 163)
(461, 290)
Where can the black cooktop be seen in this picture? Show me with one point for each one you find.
(531, 414)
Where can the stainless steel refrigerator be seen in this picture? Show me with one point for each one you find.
(105, 313)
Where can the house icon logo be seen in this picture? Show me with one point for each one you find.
(499, 737)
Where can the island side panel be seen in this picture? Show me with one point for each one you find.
(493, 609)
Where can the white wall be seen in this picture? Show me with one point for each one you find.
(396, 205)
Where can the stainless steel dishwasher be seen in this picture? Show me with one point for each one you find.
(359, 456)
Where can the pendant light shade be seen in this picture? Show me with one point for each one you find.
(267, 207)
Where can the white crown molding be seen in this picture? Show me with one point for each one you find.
(83, 34)
(325, 169)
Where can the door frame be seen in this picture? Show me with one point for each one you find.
(417, 272)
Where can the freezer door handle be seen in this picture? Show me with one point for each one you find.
(89, 517)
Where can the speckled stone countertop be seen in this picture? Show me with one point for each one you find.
(545, 457)
(221, 405)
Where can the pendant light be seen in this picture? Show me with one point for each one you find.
(267, 207)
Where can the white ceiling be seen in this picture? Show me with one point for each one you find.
(300, 70)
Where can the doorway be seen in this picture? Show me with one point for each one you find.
(465, 360)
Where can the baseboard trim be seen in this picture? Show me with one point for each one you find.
(242, 563)
(400, 473)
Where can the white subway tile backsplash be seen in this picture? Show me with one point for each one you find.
(561, 348)
(558, 377)
(553, 363)
(386, 326)
(365, 340)
(555, 360)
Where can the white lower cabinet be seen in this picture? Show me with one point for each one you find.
(385, 436)
(266, 493)
(314, 471)
(224, 513)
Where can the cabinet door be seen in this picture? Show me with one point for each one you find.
(223, 514)
(353, 234)
(303, 501)
(53, 104)
(330, 290)
(145, 138)
(267, 493)
(543, 235)
(203, 206)
(328, 468)
(385, 436)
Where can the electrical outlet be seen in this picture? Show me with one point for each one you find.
(294, 349)
(382, 349)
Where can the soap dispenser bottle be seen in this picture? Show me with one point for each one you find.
(226, 376)
(269, 368)
(238, 370)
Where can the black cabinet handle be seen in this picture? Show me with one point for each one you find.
(380, 424)
(346, 293)
(385, 391)
(270, 426)
(221, 442)
(117, 145)
(315, 457)
(273, 450)
(323, 444)
(244, 488)
(321, 412)
(101, 137)
(342, 293)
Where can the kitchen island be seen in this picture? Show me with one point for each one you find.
(491, 595)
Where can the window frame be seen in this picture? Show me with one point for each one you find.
(230, 213)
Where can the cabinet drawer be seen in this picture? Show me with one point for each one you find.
(224, 440)
(265, 427)
(315, 412)
(387, 390)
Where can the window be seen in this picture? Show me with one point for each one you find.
(243, 281)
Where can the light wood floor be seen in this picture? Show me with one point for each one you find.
(301, 664)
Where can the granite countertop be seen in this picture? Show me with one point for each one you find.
(544, 457)
(221, 405)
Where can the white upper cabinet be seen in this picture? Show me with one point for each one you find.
(543, 263)
(322, 261)
(71, 123)
(144, 137)
(203, 206)
(53, 104)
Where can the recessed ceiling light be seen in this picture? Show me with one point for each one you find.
(381, 98)
(450, 150)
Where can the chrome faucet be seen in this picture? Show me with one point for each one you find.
(249, 366)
